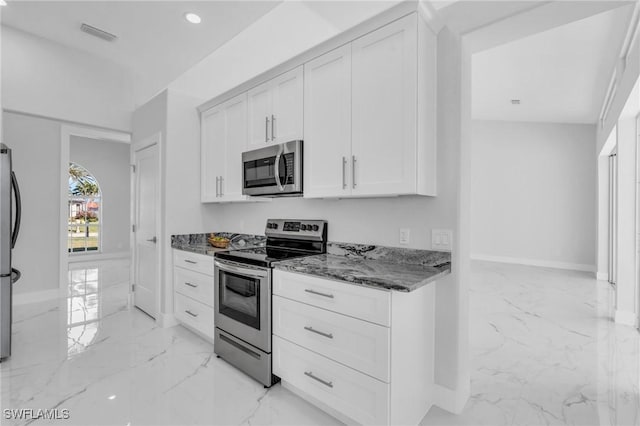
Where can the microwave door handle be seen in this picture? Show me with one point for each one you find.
(277, 169)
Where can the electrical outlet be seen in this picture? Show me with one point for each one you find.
(404, 236)
(442, 239)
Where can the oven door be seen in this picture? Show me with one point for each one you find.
(243, 302)
(273, 170)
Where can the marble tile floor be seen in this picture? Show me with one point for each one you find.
(543, 351)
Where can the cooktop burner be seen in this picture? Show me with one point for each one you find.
(286, 239)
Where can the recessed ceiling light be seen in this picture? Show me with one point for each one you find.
(191, 17)
(515, 101)
(3, 3)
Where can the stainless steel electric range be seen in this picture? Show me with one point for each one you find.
(243, 293)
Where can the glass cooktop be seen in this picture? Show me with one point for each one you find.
(261, 256)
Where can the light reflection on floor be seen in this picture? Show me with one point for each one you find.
(83, 307)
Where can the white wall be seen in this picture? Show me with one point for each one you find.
(108, 162)
(44, 78)
(36, 151)
(534, 188)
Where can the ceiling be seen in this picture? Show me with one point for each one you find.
(154, 41)
(559, 75)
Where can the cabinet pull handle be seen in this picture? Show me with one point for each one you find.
(190, 261)
(221, 186)
(190, 285)
(266, 129)
(344, 172)
(191, 313)
(310, 374)
(273, 125)
(353, 170)
(313, 330)
(308, 290)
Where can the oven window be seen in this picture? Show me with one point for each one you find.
(240, 298)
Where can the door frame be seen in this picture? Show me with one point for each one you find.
(154, 139)
(66, 132)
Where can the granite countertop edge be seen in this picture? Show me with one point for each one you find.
(383, 274)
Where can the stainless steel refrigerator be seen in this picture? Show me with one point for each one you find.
(10, 213)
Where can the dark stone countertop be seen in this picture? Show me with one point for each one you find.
(379, 267)
(197, 243)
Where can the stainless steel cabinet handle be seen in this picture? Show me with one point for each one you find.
(191, 313)
(273, 125)
(324, 382)
(190, 285)
(190, 261)
(353, 170)
(344, 172)
(221, 186)
(308, 290)
(313, 330)
(266, 129)
(153, 240)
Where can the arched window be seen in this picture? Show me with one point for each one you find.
(85, 208)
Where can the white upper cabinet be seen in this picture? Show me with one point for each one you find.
(275, 110)
(224, 138)
(327, 124)
(384, 112)
(369, 117)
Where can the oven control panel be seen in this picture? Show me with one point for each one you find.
(304, 229)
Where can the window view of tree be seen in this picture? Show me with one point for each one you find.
(84, 210)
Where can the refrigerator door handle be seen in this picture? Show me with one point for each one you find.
(15, 275)
(16, 225)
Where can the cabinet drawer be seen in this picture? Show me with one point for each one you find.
(194, 284)
(194, 314)
(359, 302)
(358, 344)
(356, 395)
(193, 261)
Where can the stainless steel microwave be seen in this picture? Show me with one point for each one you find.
(273, 171)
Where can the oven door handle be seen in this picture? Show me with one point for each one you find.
(277, 169)
(253, 273)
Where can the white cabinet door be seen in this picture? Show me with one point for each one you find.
(287, 104)
(327, 124)
(259, 100)
(212, 155)
(236, 142)
(384, 110)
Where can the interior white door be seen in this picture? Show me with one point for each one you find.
(327, 124)
(146, 280)
(384, 100)
(259, 100)
(287, 98)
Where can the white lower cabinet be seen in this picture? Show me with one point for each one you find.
(193, 282)
(356, 395)
(327, 347)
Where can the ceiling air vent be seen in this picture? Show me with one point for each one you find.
(97, 32)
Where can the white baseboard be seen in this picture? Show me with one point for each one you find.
(35, 297)
(451, 400)
(99, 256)
(626, 318)
(602, 276)
(535, 262)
